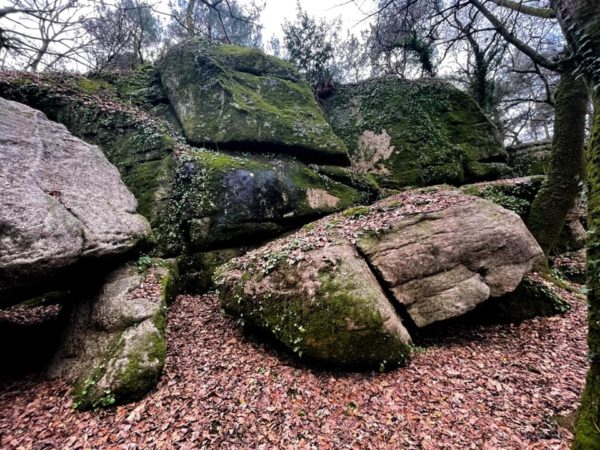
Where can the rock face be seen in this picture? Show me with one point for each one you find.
(444, 263)
(114, 347)
(230, 195)
(220, 199)
(437, 253)
(416, 133)
(517, 194)
(61, 201)
(530, 159)
(327, 307)
(239, 98)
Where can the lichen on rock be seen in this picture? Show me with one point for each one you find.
(115, 344)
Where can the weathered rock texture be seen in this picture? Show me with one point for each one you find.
(219, 198)
(517, 194)
(416, 132)
(240, 98)
(444, 263)
(436, 252)
(229, 196)
(114, 347)
(61, 201)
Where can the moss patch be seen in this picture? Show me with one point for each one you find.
(237, 97)
(439, 134)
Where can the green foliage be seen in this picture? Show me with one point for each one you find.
(516, 197)
(309, 45)
(356, 212)
(144, 263)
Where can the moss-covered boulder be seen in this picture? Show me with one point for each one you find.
(231, 196)
(530, 159)
(416, 132)
(332, 290)
(114, 347)
(323, 304)
(242, 99)
(218, 199)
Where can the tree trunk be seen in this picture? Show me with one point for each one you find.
(189, 18)
(580, 21)
(560, 190)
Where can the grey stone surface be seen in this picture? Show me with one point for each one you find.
(60, 200)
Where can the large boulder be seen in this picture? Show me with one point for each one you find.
(220, 199)
(326, 305)
(443, 263)
(242, 99)
(114, 346)
(416, 132)
(436, 253)
(61, 202)
(231, 196)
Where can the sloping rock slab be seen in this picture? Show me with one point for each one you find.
(437, 253)
(443, 263)
(114, 347)
(60, 200)
(238, 98)
(219, 198)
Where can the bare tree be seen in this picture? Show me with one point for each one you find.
(123, 34)
(43, 34)
(226, 21)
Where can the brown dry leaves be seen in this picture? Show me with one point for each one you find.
(484, 388)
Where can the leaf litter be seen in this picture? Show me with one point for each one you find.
(475, 387)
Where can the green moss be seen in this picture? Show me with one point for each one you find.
(94, 86)
(587, 434)
(138, 146)
(531, 299)
(170, 285)
(242, 96)
(319, 329)
(562, 185)
(515, 196)
(218, 197)
(356, 212)
(198, 269)
(136, 380)
(439, 134)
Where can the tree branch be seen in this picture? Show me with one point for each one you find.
(543, 13)
(515, 41)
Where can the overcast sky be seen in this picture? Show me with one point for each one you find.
(351, 13)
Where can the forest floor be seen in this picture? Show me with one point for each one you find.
(480, 387)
